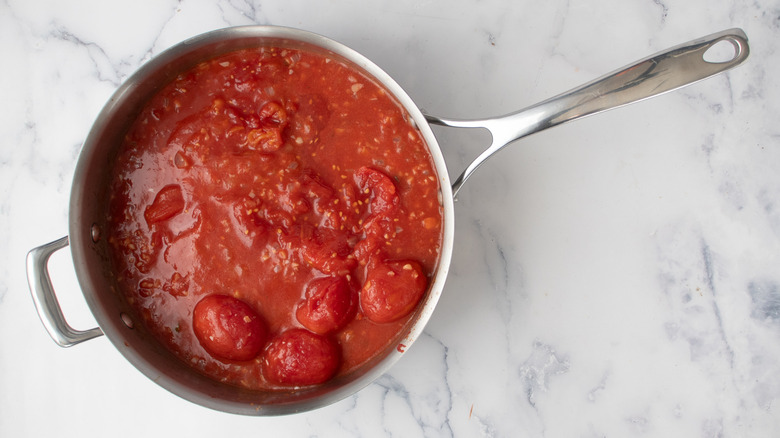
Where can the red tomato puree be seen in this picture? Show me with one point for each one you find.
(275, 218)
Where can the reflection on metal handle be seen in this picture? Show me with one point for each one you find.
(46, 301)
(665, 71)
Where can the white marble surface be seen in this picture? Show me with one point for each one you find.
(618, 276)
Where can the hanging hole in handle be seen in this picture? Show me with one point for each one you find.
(721, 52)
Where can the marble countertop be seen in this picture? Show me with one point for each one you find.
(617, 276)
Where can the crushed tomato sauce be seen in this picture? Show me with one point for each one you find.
(293, 187)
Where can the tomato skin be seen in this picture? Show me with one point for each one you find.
(299, 357)
(264, 139)
(272, 113)
(228, 329)
(330, 303)
(168, 202)
(392, 289)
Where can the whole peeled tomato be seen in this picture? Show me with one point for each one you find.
(299, 357)
(228, 329)
(392, 289)
(330, 303)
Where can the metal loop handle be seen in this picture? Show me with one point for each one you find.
(46, 301)
(657, 74)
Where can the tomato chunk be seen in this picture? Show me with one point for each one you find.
(384, 196)
(329, 305)
(392, 290)
(299, 357)
(369, 247)
(228, 328)
(168, 203)
(328, 251)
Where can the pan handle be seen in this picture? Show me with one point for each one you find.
(46, 301)
(657, 74)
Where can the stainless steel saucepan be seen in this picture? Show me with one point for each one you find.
(660, 73)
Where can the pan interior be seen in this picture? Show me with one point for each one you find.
(89, 200)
